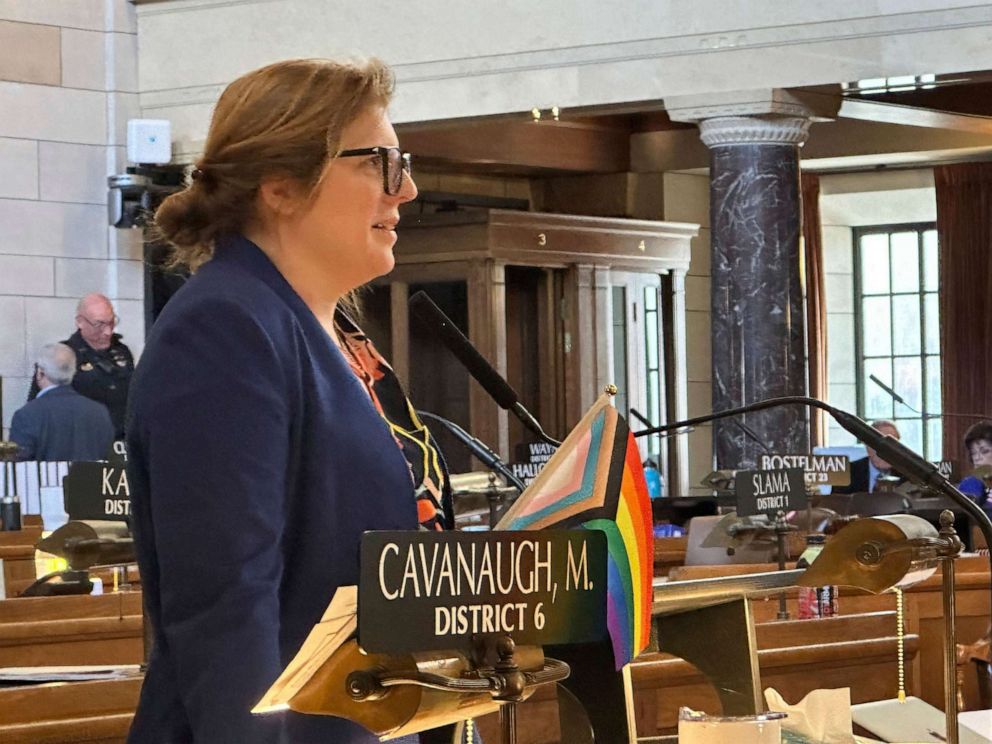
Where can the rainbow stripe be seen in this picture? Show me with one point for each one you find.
(595, 481)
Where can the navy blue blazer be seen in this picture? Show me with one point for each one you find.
(256, 460)
(62, 425)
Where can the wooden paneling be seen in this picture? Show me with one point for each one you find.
(923, 607)
(795, 657)
(94, 712)
(669, 553)
(487, 332)
(545, 240)
(17, 554)
(577, 255)
(524, 147)
(52, 631)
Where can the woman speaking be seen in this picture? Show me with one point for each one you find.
(259, 449)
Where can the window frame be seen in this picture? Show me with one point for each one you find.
(926, 406)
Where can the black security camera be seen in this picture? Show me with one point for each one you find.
(136, 194)
(129, 200)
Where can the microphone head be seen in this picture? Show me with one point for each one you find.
(433, 319)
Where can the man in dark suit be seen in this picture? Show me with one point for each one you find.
(60, 424)
(104, 363)
(866, 471)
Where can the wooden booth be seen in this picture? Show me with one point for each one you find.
(561, 305)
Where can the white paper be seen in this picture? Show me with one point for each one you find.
(339, 623)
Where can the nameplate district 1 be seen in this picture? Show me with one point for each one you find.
(769, 491)
(432, 591)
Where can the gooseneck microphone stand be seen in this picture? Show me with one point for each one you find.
(477, 447)
(441, 327)
(924, 414)
(910, 464)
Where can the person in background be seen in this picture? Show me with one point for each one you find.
(60, 424)
(264, 434)
(978, 443)
(652, 477)
(866, 471)
(104, 364)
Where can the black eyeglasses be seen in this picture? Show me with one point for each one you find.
(394, 163)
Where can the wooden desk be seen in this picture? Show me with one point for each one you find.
(17, 554)
(924, 615)
(93, 712)
(52, 631)
(669, 553)
(794, 656)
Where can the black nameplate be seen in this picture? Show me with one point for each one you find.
(770, 491)
(97, 490)
(949, 469)
(429, 591)
(531, 458)
(821, 470)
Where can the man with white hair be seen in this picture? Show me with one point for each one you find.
(104, 364)
(60, 424)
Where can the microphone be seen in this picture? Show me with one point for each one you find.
(478, 448)
(898, 399)
(640, 417)
(752, 435)
(907, 462)
(892, 393)
(433, 319)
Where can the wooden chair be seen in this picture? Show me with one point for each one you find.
(978, 657)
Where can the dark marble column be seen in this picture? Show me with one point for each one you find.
(758, 323)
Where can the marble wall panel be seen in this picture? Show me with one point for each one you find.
(700, 397)
(697, 293)
(123, 63)
(132, 325)
(86, 14)
(687, 197)
(116, 279)
(15, 395)
(48, 319)
(698, 351)
(26, 275)
(53, 229)
(757, 303)
(123, 17)
(700, 458)
(838, 249)
(19, 161)
(841, 358)
(45, 112)
(29, 53)
(840, 292)
(120, 108)
(84, 59)
(73, 173)
(13, 343)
